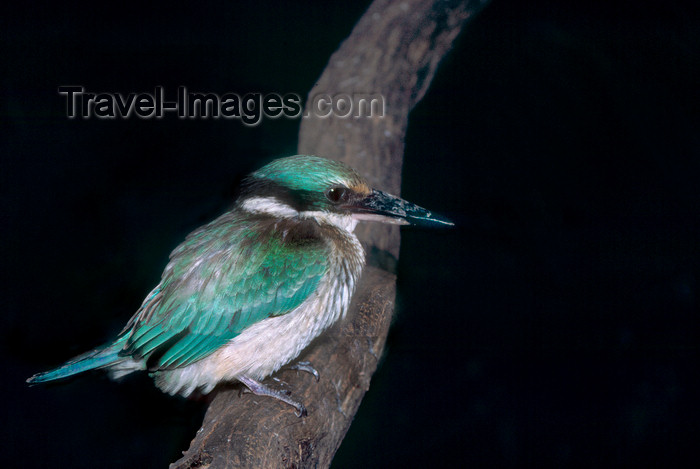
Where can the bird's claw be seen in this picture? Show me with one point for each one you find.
(306, 366)
(301, 411)
(260, 389)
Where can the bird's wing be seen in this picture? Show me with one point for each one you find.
(221, 280)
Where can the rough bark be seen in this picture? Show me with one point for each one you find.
(393, 51)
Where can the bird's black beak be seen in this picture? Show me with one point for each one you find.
(387, 208)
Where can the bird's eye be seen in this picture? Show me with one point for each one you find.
(337, 194)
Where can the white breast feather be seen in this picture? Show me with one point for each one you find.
(264, 347)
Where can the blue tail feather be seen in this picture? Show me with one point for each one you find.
(98, 358)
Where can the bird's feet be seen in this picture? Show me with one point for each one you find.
(260, 389)
(306, 366)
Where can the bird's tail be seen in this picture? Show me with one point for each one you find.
(101, 357)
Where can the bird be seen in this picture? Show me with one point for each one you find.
(243, 295)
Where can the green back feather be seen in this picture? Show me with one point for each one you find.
(221, 280)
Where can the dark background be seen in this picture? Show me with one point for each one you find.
(556, 325)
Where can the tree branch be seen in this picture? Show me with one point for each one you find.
(393, 51)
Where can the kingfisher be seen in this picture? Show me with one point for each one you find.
(243, 295)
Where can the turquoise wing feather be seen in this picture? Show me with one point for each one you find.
(221, 280)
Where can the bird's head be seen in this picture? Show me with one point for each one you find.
(313, 187)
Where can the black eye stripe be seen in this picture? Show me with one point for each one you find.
(338, 194)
